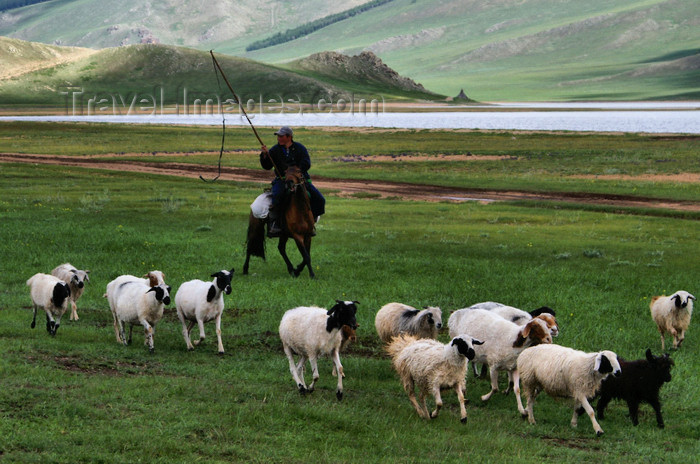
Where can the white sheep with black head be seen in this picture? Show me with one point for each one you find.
(76, 280)
(50, 294)
(311, 332)
(198, 302)
(394, 319)
(566, 373)
(432, 366)
(672, 315)
(134, 300)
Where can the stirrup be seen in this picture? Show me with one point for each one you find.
(273, 230)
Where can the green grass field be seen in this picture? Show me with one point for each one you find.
(82, 397)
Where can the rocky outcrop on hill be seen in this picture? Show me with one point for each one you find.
(366, 66)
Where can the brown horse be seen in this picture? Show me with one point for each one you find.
(298, 225)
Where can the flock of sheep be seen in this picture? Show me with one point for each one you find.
(500, 337)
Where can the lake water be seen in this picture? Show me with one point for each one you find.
(647, 117)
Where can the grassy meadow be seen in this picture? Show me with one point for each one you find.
(82, 397)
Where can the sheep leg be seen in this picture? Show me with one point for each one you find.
(674, 334)
(34, 318)
(530, 402)
(494, 383)
(602, 404)
(293, 368)
(510, 383)
(314, 372)
(339, 368)
(438, 402)
(657, 410)
(678, 339)
(185, 330)
(300, 366)
(633, 407)
(200, 324)
(116, 327)
(583, 401)
(460, 397)
(73, 311)
(422, 399)
(516, 389)
(663, 343)
(148, 332)
(409, 386)
(218, 334)
(121, 336)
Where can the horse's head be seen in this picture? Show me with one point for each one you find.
(293, 178)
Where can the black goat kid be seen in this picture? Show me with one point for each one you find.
(640, 382)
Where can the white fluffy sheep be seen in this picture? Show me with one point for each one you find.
(137, 301)
(564, 372)
(672, 315)
(503, 341)
(394, 319)
(310, 332)
(198, 302)
(431, 366)
(518, 316)
(50, 294)
(76, 280)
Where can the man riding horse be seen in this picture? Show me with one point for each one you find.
(284, 154)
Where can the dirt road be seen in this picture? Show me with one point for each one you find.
(347, 187)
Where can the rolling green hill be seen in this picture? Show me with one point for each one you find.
(167, 72)
(495, 50)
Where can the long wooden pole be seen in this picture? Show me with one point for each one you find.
(240, 105)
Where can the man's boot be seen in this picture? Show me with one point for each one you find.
(273, 223)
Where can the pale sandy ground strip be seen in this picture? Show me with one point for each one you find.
(355, 187)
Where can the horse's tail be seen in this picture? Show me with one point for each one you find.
(255, 238)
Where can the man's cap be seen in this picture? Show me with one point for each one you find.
(284, 130)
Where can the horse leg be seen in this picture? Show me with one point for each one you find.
(305, 251)
(255, 241)
(282, 247)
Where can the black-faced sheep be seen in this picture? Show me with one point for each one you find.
(198, 302)
(76, 280)
(394, 319)
(137, 301)
(672, 315)
(503, 341)
(50, 294)
(564, 372)
(639, 382)
(310, 332)
(431, 366)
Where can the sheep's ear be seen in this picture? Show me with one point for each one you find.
(677, 299)
(649, 356)
(211, 293)
(231, 271)
(690, 297)
(334, 308)
(477, 342)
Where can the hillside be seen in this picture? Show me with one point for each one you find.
(496, 50)
(171, 74)
(19, 57)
